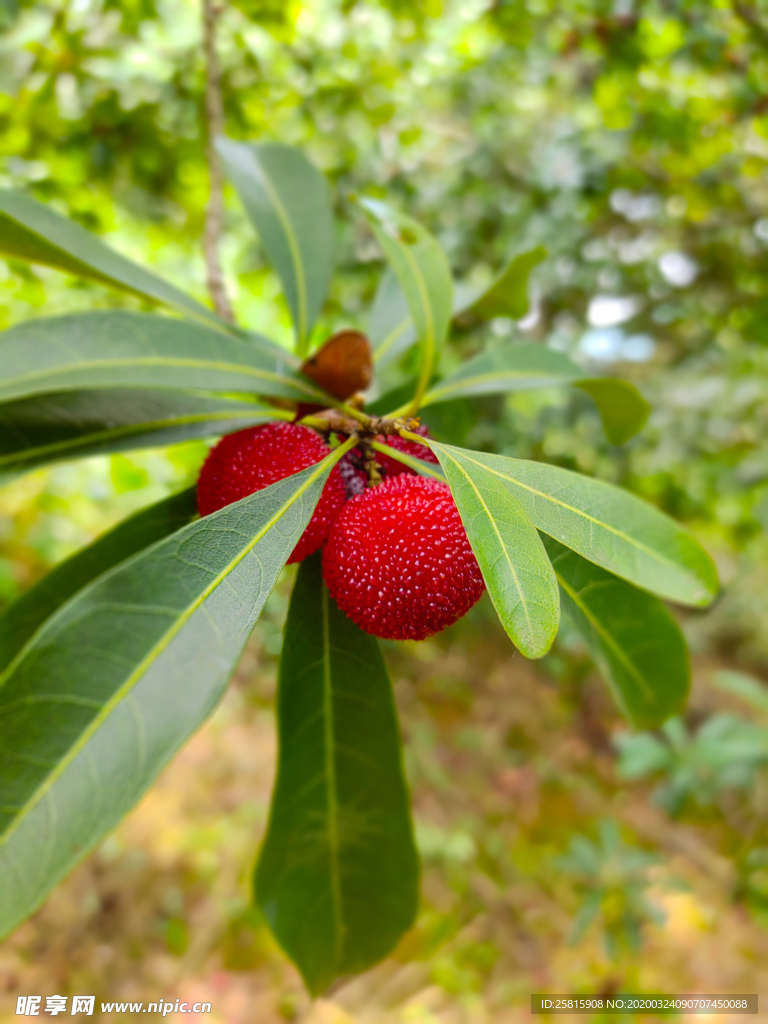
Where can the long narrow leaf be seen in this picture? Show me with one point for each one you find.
(20, 620)
(524, 366)
(423, 274)
(33, 232)
(391, 329)
(519, 367)
(289, 202)
(106, 691)
(631, 635)
(510, 553)
(607, 525)
(338, 874)
(76, 424)
(134, 350)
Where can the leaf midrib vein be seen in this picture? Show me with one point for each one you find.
(72, 444)
(173, 362)
(330, 775)
(491, 520)
(605, 637)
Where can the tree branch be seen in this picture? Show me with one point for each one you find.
(214, 211)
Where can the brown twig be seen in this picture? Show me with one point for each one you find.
(214, 211)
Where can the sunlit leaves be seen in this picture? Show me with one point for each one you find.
(338, 874)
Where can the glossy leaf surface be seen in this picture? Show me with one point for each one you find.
(135, 350)
(631, 636)
(101, 697)
(338, 874)
(289, 202)
(608, 526)
(34, 232)
(75, 424)
(20, 620)
(515, 566)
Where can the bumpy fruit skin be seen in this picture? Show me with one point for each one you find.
(391, 467)
(254, 458)
(398, 561)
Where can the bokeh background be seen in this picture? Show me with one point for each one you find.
(629, 137)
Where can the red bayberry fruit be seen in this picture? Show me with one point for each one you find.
(254, 458)
(398, 561)
(352, 473)
(391, 467)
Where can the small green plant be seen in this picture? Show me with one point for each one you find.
(116, 658)
(723, 754)
(612, 879)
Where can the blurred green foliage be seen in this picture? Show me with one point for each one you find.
(630, 139)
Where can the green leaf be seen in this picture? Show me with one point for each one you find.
(134, 350)
(390, 327)
(622, 408)
(608, 526)
(101, 697)
(289, 202)
(631, 636)
(422, 271)
(20, 620)
(338, 875)
(508, 294)
(76, 424)
(510, 553)
(746, 687)
(33, 232)
(524, 366)
(520, 367)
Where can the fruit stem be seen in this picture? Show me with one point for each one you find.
(355, 414)
(410, 436)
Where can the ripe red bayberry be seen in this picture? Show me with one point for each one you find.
(391, 467)
(398, 561)
(254, 458)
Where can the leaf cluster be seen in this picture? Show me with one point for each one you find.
(115, 662)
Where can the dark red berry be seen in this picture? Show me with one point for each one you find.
(352, 473)
(390, 466)
(398, 561)
(251, 459)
